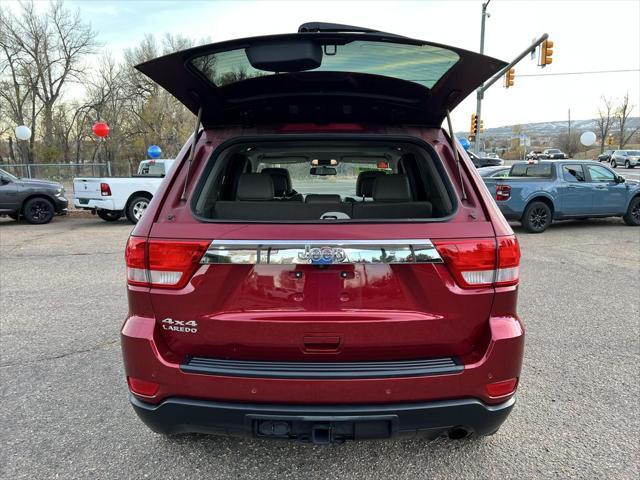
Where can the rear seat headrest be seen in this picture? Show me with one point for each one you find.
(364, 183)
(281, 180)
(318, 198)
(391, 188)
(255, 186)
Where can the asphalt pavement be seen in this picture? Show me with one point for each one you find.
(65, 412)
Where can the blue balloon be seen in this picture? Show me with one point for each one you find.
(465, 143)
(154, 151)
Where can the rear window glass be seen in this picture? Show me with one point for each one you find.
(299, 181)
(573, 173)
(536, 170)
(151, 168)
(422, 64)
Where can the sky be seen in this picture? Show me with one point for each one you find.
(588, 35)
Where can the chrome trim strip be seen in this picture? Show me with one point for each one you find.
(320, 252)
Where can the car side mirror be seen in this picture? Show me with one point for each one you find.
(619, 179)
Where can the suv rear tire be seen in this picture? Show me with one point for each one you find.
(632, 217)
(537, 217)
(136, 208)
(38, 211)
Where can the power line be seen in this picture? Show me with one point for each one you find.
(577, 73)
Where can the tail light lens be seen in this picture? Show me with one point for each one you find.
(503, 192)
(478, 263)
(500, 389)
(143, 387)
(162, 263)
(508, 272)
(105, 190)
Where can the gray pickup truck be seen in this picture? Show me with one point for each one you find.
(536, 193)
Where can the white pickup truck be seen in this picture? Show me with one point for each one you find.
(111, 197)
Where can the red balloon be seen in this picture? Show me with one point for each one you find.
(100, 129)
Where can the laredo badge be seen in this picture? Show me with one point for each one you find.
(190, 326)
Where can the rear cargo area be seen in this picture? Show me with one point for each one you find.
(311, 181)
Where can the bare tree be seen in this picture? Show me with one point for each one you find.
(569, 144)
(53, 44)
(19, 104)
(622, 115)
(604, 122)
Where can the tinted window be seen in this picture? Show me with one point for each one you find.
(526, 170)
(573, 173)
(600, 174)
(422, 64)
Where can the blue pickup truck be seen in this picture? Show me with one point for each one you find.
(538, 193)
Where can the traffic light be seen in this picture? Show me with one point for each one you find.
(610, 140)
(546, 52)
(481, 126)
(509, 77)
(473, 131)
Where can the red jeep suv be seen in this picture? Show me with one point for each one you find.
(323, 263)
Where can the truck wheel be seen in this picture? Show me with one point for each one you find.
(537, 217)
(632, 217)
(109, 215)
(38, 211)
(136, 208)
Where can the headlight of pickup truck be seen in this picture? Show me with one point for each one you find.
(60, 192)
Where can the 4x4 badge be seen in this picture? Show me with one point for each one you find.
(184, 326)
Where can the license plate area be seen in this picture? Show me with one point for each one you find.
(324, 430)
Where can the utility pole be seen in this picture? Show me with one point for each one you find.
(476, 146)
(570, 146)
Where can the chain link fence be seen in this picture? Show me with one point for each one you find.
(58, 172)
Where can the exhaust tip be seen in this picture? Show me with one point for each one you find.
(458, 433)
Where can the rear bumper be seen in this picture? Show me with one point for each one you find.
(323, 423)
(147, 357)
(95, 204)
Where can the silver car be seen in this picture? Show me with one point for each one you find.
(628, 158)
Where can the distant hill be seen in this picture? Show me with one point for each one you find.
(547, 129)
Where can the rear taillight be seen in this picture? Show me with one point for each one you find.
(508, 272)
(477, 263)
(162, 263)
(502, 388)
(143, 387)
(105, 190)
(503, 192)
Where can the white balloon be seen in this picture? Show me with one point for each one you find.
(587, 139)
(23, 132)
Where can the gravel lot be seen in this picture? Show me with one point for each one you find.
(65, 412)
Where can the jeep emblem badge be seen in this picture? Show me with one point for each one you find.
(322, 255)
